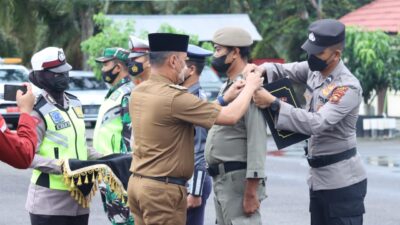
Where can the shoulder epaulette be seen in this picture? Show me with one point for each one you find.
(71, 96)
(179, 87)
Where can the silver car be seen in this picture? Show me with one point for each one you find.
(90, 91)
(11, 74)
(210, 82)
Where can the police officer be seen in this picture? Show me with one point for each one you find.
(138, 62)
(236, 154)
(61, 135)
(113, 127)
(162, 116)
(18, 148)
(199, 186)
(337, 181)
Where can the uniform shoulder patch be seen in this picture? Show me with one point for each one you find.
(71, 96)
(114, 96)
(337, 94)
(179, 87)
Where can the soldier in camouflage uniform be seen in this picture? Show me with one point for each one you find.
(113, 127)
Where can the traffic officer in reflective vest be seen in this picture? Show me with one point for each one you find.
(236, 154)
(338, 181)
(61, 135)
(138, 62)
(113, 127)
(199, 186)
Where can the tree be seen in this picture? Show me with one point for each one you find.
(373, 56)
(33, 25)
(111, 34)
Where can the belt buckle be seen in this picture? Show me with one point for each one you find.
(221, 169)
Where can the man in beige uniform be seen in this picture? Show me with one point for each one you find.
(236, 154)
(338, 181)
(163, 115)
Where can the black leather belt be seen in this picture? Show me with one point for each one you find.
(213, 170)
(325, 160)
(172, 180)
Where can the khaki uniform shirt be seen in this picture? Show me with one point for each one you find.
(162, 116)
(330, 118)
(244, 142)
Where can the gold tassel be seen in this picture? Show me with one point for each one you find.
(99, 177)
(93, 178)
(86, 179)
(73, 193)
(72, 183)
(79, 181)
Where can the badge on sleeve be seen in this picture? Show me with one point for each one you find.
(337, 94)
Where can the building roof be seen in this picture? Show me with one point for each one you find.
(377, 15)
(203, 25)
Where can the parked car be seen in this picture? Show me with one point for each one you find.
(90, 91)
(210, 82)
(11, 74)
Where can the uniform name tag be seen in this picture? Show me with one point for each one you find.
(63, 125)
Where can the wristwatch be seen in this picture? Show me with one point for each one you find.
(275, 105)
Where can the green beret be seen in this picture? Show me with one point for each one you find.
(113, 53)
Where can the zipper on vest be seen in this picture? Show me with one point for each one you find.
(76, 136)
(56, 154)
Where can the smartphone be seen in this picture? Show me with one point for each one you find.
(10, 91)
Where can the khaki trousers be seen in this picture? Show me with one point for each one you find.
(228, 199)
(156, 203)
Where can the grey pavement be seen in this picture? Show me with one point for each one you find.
(287, 202)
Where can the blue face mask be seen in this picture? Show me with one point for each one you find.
(109, 76)
(135, 68)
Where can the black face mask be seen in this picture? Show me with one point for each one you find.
(317, 64)
(50, 81)
(218, 63)
(135, 68)
(108, 76)
(61, 82)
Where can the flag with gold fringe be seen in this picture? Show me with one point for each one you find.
(83, 177)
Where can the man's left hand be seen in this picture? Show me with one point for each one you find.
(193, 201)
(234, 90)
(262, 98)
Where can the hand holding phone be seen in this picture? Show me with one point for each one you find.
(25, 101)
(10, 91)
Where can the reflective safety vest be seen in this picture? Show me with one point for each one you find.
(64, 138)
(107, 136)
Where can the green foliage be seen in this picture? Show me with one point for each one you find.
(373, 56)
(111, 34)
(166, 28)
(193, 39)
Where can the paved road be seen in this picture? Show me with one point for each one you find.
(287, 203)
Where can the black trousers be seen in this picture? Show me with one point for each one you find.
(343, 206)
(59, 220)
